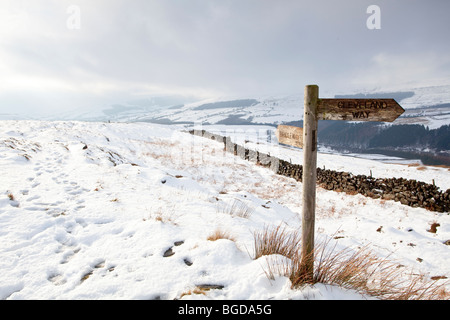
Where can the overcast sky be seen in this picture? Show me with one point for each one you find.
(58, 55)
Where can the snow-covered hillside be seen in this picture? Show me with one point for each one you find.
(429, 106)
(92, 210)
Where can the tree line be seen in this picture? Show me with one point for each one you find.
(373, 135)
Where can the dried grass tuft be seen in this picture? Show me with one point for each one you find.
(236, 209)
(360, 270)
(276, 241)
(220, 234)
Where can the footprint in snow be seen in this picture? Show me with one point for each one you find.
(69, 256)
(56, 279)
(98, 265)
(169, 252)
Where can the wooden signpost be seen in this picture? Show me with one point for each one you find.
(384, 110)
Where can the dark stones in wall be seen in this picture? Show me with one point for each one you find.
(408, 192)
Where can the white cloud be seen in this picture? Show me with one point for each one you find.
(218, 47)
(387, 71)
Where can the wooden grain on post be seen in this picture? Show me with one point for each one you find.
(290, 135)
(310, 125)
(384, 110)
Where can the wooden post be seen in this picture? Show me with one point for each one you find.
(310, 120)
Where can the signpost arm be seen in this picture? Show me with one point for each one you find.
(310, 120)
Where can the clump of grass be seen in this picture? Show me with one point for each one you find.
(237, 209)
(193, 291)
(276, 241)
(220, 234)
(360, 270)
(163, 215)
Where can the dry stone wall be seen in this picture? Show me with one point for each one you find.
(408, 192)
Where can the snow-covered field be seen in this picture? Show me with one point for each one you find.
(125, 210)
